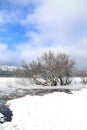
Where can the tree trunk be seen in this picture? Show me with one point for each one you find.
(61, 81)
(53, 83)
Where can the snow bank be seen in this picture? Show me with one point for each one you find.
(56, 111)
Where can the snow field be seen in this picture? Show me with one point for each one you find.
(56, 111)
(10, 84)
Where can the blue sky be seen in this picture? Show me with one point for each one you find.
(29, 28)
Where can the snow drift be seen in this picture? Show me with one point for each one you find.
(56, 111)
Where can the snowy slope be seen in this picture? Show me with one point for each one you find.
(6, 67)
(57, 111)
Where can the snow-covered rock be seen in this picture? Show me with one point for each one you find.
(1, 118)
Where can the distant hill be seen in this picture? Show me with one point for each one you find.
(7, 71)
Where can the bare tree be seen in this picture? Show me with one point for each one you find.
(49, 69)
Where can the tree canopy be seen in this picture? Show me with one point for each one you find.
(49, 69)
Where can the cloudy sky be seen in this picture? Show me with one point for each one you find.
(30, 27)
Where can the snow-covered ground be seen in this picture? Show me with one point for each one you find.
(13, 83)
(55, 111)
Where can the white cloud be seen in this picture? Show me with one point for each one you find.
(55, 13)
(32, 50)
(8, 56)
(8, 17)
(55, 22)
(29, 52)
(4, 56)
(24, 2)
